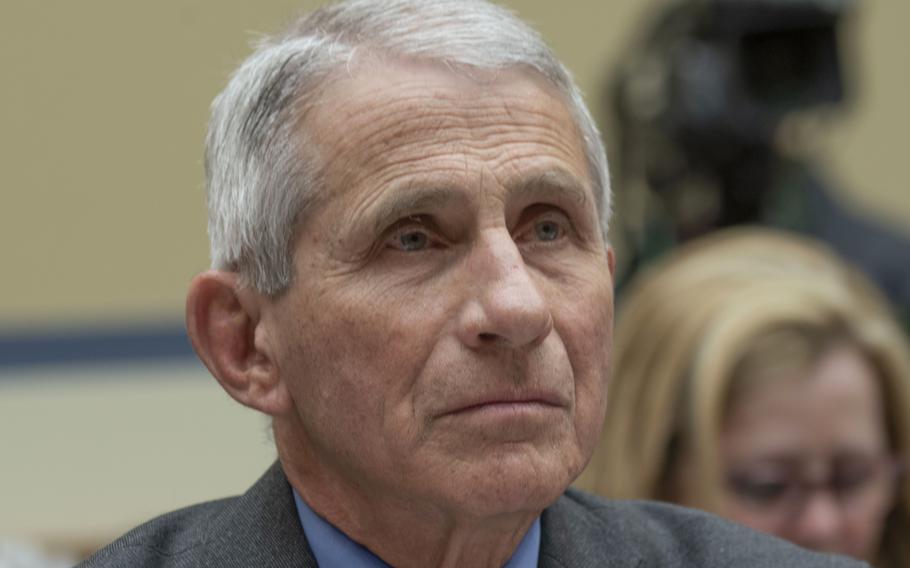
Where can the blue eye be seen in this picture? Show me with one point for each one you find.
(547, 230)
(411, 240)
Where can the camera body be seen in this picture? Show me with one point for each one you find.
(714, 76)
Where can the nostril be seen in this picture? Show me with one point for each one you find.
(487, 337)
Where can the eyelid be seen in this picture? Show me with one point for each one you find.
(544, 212)
(412, 223)
(424, 222)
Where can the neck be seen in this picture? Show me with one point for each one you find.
(399, 529)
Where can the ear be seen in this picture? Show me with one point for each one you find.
(224, 325)
(611, 260)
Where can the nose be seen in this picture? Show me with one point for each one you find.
(817, 525)
(505, 306)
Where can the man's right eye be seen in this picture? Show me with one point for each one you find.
(412, 234)
(409, 240)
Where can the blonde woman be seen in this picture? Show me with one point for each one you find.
(759, 377)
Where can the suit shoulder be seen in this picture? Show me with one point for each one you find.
(668, 535)
(167, 541)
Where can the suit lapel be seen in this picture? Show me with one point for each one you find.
(574, 537)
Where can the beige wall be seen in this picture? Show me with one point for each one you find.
(869, 149)
(103, 113)
(102, 116)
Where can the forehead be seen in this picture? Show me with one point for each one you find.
(386, 122)
(834, 402)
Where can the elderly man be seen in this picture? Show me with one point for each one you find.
(408, 202)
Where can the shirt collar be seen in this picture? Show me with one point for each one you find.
(331, 547)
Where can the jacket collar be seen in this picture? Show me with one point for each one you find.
(262, 528)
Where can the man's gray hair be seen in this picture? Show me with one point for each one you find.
(262, 175)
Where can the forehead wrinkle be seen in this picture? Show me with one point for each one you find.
(443, 116)
(444, 119)
(381, 125)
(459, 156)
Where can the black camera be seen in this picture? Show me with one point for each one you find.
(713, 73)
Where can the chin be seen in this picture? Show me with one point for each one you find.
(517, 484)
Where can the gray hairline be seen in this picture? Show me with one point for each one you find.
(258, 157)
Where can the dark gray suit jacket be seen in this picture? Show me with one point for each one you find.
(261, 528)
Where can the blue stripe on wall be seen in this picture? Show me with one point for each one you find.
(151, 342)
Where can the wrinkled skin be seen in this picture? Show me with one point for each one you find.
(445, 344)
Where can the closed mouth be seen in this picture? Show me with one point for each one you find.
(508, 404)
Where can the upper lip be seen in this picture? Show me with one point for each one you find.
(543, 397)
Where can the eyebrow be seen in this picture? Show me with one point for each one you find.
(549, 183)
(411, 200)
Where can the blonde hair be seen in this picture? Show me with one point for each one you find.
(690, 324)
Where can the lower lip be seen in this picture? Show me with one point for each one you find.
(507, 410)
(505, 422)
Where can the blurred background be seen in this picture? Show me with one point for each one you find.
(106, 418)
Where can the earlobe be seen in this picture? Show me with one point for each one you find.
(224, 325)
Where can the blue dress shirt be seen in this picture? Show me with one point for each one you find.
(332, 548)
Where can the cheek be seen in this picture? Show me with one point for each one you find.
(586, 327)
(864, 530)
(362, 355)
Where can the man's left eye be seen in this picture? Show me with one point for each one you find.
(547, 230)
